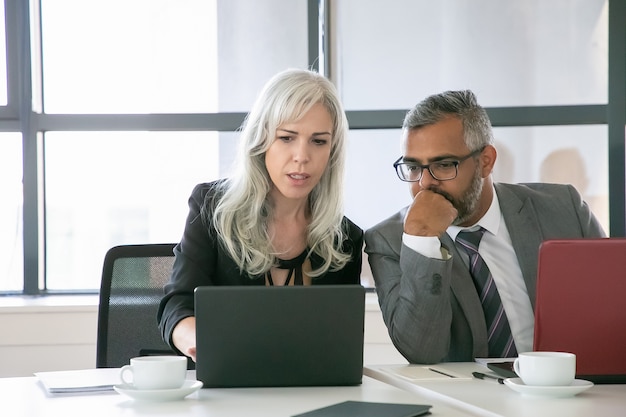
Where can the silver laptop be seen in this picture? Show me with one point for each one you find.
(257, 336)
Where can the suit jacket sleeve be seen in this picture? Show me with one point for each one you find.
(195, 264)
(413, 292)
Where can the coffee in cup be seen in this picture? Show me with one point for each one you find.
(546, 368)
(155, 372)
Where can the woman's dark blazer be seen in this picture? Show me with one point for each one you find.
(200, 260)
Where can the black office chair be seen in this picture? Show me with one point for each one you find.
(131, 289)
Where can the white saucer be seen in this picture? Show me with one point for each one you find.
(579, 385)
(190, 386)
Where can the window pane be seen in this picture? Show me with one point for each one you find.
(510, 53)
(373, 192)
(371, 180)
(129, 56)
(3, 59)
(164, 56)
(117, 188)
(256, 40)
(11, 241)
(576, 155)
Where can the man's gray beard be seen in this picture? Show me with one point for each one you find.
(466, 205)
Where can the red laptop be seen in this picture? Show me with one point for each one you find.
(581, 305)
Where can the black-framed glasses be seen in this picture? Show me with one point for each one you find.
(444, 170)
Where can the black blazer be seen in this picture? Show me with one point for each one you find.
(201, 260)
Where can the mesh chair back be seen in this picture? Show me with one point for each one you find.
(131, 289)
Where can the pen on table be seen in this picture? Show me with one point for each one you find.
(441, 372)
(480, 375)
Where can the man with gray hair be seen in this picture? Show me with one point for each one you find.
(455, 271)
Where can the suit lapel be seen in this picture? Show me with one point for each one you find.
(521, 220)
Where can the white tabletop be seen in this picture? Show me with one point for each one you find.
(489, 398)
(25, 397)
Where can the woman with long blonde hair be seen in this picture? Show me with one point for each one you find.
(278, 220)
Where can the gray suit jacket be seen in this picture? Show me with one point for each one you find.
(430, 306)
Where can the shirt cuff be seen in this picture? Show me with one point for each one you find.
(428, 246)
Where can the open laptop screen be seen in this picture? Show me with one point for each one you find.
(581, 305)
(279, 336)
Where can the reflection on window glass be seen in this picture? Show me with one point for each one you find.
(510, 53)
(3, 59)
(117, 188)
(11, 242)
(576, 155)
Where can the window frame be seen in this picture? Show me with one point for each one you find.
(23, 114)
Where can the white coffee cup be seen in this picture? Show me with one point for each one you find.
(546, 368)
(155, 372)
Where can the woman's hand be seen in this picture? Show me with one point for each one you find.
(184, 337)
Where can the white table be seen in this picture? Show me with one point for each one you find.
(25, 397)
(488, 398)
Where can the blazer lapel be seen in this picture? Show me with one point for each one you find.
(521, 220)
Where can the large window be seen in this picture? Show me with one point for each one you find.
(512, 53)
(105, 188)
(124, 105)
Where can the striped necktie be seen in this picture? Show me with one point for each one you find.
(501, 344)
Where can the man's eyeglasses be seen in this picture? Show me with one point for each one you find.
(444, 170)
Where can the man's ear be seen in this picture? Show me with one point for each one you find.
(488, 159)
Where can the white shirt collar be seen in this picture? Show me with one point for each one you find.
(490, 221)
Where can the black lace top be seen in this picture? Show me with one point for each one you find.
(293, 265)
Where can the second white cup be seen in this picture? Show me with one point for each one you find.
(155, 372)
(546, 368)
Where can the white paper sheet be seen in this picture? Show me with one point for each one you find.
(84, 380)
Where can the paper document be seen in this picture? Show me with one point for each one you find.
(84, 380)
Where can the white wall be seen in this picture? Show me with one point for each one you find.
(59, 333)
(47, 333)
